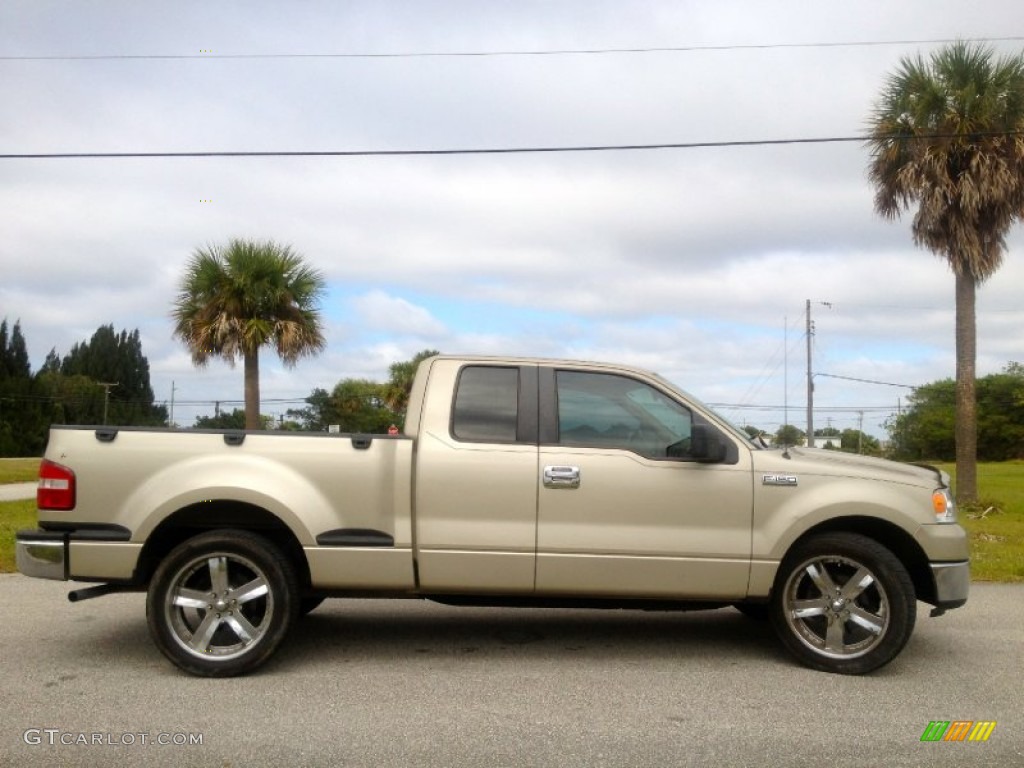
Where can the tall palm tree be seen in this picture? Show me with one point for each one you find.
(248, 294)
(947, 135)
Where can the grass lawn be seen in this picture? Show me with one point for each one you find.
(18, 470)
(14, 516)
(996, 524)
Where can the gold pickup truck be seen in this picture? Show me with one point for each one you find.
(515, 482)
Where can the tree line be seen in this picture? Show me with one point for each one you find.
(926, 430)
(354, 405)
(102, 380)
(105, 379)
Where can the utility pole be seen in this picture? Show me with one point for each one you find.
(107, 386)
(170, 420)
(810, 375)
(810, 380)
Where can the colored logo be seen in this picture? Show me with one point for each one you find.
(958, 730)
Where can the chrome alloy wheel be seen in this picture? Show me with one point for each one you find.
(219, 606)
(836, 606)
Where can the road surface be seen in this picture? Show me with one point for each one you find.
(409, 683)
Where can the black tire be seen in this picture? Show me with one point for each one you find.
(222, 602)
(844, 603)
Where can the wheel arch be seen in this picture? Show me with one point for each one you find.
(194, 519)
(889, 535)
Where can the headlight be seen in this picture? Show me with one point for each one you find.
(943, 506)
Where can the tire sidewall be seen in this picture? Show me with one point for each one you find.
(281, 582)
(892, 577)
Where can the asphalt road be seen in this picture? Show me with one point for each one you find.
(396, 683)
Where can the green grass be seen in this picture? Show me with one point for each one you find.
(996, 523)
(18, 470)
(14, 516)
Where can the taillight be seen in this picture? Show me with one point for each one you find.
(56, 486)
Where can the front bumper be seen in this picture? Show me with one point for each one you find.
(952, 582)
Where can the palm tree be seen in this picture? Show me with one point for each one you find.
(237, 298)
(399, 386)
(947, 135)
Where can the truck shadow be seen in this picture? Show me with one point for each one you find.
(355, 631)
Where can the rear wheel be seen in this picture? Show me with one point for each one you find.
(221, 603)
(843, 603)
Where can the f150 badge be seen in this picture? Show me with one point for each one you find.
(779, 480)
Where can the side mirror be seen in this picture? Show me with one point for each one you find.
(706, 444)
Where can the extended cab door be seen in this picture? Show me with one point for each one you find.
(476, 478)
(625, 508)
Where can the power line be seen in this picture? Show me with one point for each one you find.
(488, 150)
(866, 381)
(819, 409)
(509, 53)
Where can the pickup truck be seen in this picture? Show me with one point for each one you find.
(515, 482)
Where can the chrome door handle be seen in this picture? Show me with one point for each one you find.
(561, 477)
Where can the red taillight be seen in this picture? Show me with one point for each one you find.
(56, 486)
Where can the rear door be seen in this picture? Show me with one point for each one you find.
(476, 478)
(623, 509)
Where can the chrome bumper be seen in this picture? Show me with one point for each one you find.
(42, 555)
(952, 582)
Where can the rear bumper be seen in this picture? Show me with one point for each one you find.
(952, 583)
(96, 553)
(42, 554)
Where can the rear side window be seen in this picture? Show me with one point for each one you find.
(486, 404)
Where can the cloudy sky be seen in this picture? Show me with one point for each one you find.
(696, 262)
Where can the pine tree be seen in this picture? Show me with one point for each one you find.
(22, 419)
(18, 354)
(116, 359)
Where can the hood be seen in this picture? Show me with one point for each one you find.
(818, 461)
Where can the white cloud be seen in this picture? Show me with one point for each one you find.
(392, 315)
(689, 262)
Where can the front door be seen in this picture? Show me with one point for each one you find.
(622, 509)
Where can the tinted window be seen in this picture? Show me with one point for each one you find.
(486, 404)
(609, 411)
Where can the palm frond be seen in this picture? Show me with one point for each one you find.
(945, 136)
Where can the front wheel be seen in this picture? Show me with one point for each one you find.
(843, 603)
(221, 603)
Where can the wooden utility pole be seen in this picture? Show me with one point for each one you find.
(107, 386)
(810, 375)
(810, 380)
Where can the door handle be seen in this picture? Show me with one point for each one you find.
(561, 477)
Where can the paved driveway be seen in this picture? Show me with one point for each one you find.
(403, 683)
(15, 491)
